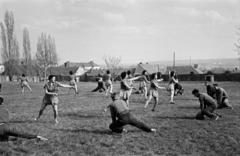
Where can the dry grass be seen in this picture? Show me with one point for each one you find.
(83, 130)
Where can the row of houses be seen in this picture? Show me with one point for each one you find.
(89, 71)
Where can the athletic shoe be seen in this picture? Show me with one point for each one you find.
(172, 103)
(216, 118)
(42, 138)
(153, 130)
(153, 110)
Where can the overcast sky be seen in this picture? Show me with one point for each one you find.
(136, 30)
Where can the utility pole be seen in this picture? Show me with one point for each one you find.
(173, 60)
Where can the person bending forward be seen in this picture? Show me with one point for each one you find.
(121, 116)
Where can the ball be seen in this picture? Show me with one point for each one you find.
(199, 116)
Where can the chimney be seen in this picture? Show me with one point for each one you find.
(92, 64)
(67, 64)
(196, 66)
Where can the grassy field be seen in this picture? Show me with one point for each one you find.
(83, 129)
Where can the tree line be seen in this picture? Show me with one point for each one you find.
(45, 56)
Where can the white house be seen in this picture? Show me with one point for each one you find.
(1, 68)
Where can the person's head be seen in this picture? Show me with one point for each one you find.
(70, 72)
(172, 73)
(144, 72)
(216, 86)
(108, 71)
(154, 76)
(23, 75)
(123, 75)
(129, 72)
(1, 100)
(52, 78)
(115, 96)
(195, 92)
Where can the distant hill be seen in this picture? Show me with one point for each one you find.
(203, 64)
(228, 63)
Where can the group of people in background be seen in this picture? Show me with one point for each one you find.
(215, 98)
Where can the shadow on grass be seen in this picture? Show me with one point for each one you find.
(106, 131)
(102, 132)
(176, 117)
(82, 115)
(32, 121)
(189, 107)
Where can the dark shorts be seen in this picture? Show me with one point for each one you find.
(72, 83)
(153, 93)
(125, 94)
(24, 84)
(50, 100)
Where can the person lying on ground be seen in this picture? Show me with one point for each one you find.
(100, 86)
(178, 89)
(8, 129)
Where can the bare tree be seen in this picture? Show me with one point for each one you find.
(15, 52)
(27, 57)
(111, 61)
(46, 55)
(10, 47)
(237, 45)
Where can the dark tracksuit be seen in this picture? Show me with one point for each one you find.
(7, 129)
(207, 105)
(100, 87)
(121, 117)
(178, 87)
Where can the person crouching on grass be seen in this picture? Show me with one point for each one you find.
(153, 92)
(50, 97)
(207, 106)
(222, 97)
(8, 129)
(121, 116)
(100, 86)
